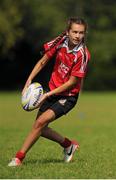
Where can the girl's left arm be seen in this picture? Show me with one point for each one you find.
(66, 86)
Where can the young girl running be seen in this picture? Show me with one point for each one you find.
(71, 60)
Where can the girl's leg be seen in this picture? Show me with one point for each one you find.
(35, 133)
(40, 129)
(50, 134)
(40, 123)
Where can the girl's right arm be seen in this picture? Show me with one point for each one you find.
(37, 68)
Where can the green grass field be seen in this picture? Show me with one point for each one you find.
(92, 122)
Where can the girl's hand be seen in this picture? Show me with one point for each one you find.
(42, 99)
(28, 82)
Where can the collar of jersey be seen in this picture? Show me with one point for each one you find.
(74, 50)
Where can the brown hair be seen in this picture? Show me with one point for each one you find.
(76, 20)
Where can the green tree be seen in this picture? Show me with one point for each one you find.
(102, 37)
(10, 29)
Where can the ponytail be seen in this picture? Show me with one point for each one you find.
(57, 40)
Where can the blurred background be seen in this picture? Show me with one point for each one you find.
(26, 25)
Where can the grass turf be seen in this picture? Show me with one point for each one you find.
(92, 123)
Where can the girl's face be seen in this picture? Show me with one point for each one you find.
(76, 34)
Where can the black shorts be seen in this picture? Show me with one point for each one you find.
(59, 104)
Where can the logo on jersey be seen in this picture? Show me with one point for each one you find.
(63, 69)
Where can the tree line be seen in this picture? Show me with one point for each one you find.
(25, 25)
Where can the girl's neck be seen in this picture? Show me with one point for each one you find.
(70, 45)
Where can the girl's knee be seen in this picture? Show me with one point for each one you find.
(39, 123)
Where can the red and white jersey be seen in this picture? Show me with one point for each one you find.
(68, 63)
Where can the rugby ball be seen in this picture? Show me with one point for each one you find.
(31, 96)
